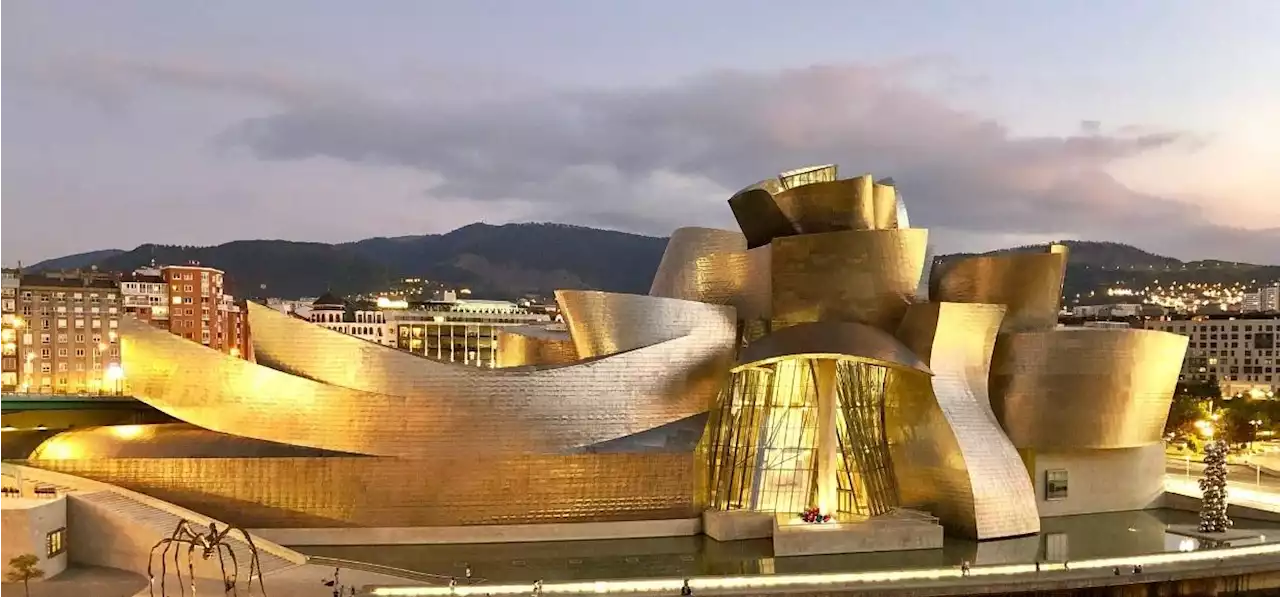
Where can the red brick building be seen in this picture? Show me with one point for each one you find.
(201, 311)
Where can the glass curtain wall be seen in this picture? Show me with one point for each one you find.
(762, 442)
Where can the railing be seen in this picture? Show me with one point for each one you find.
(389, 570)
(32, 393)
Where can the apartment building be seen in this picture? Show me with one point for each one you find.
(10, 328)
(1264, 300)
(451, 330)
(458, 331)
(200, 310)
(146, 295)
(1239, 353)
(66, 332)
(363, 320)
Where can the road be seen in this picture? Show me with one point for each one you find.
(1237, 473)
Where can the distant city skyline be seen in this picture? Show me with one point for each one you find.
(1153, 123)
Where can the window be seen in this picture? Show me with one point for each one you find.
(46, 368)
(1055, 547)
(44, 338)
(62, 352)
(44, 353)
(1055, 484)
(80, 352)
(55, 542)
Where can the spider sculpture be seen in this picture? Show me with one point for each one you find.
(213, 542)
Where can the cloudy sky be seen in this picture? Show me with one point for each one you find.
(1153, 122)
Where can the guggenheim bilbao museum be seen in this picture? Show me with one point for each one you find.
(810, 366)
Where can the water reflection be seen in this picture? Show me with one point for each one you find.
(1072, 537)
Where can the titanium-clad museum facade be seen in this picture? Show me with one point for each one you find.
(813, 359)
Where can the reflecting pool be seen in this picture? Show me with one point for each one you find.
(1063, 538)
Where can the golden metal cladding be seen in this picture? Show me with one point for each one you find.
(1079, 388)
(884, 201)
(714, 266)
(830, 206)
(759, 217)
(1029, 284)
(948, 450)
(813, 200)
(831, 340)
(606, 323)
(702, 264)
(523, 345)
(447, 488)
(864, 276)
(421, 406)
(216, 391)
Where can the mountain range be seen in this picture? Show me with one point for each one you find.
(511, 260)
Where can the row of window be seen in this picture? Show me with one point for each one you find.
(45, 297)
(45, 353)
(63, 338)
(47, 367)
(1201, 329)
(79, 323)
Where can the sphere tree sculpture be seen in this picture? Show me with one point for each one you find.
(1213, 489)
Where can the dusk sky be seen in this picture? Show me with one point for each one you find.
(1155, 123)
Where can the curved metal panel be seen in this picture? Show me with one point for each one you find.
(197, 384)
(1029, 284)
(758, 216)
(831, 340)
(884, 200)
(900, 217)
(607, 323)
(1077, 388)
(446, 488)
(951, 454)
(702, 264)
(443, 406)
(865, 276)
(164, 440)
(755, 299)
(830, 206)
(519, 346)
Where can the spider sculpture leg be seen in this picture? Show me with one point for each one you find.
(177, 568)
(228, 583)
(177, 537)
(151, 579)
(191, 568)
(235, 571)
(254, 563)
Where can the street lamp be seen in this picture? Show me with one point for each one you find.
(115, 374)
(1206, 428)
(1255, 423)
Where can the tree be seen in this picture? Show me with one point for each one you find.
(23, 569)
(1183, 414)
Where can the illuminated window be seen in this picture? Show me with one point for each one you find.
(1055, 484)
(55, 543)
